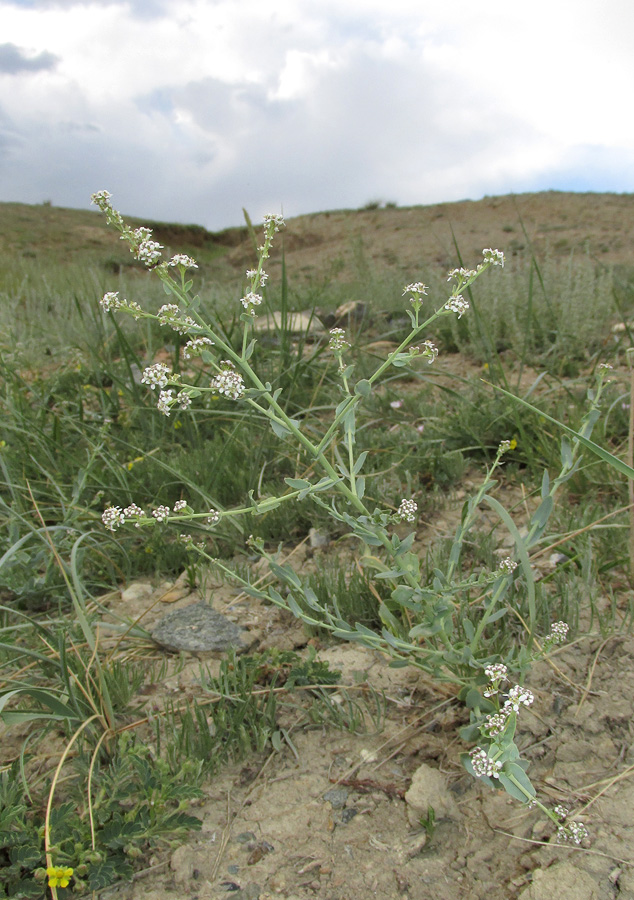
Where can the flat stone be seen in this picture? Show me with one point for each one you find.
(296, 323)
(198, 629)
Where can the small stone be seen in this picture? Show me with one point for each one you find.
(198, 629)
(348, 815)
(140, 590)
(245, 836)
(429, 789)
(317, 540)
(337, 797)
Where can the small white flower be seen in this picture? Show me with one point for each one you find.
(495, 257)
(337, 341)
(213, 517)
(161, 513)
(496, 723)
(457, 304)
(507, 566)
(180, 505)
(429, 350)
(407, 511)
(156, 375)
(558, 632)
(148, 252)
(461, 274)
(228, 381)
(252, 273)
(518, 696)
(195, 346)
(102, 200)
(133, 511)
(496, 672)
(167, 312)
(181, 259)
(483, 764)
(113, 517)
(110, 301)
(273, 222)
(417, 287)
(251, 300)
(165, 400)
(572, 832)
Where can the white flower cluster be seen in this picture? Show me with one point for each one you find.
(558, 632)
(497, 672)
(161, 513)
(167, 400)
(407, 511)
(181, 259)
(228, 381)
(273, 222)
(457, 304)
(461, 274)
(569, 832)
(507, 566)
(250, 301)
(483, 765)
(113, 518)
(180, 505)
(518, 696)
(147, 251)
(213, 518)
(195, 346)
(102, 200)
(429, 350)
(495, 257)
(558, 635)
(156, 375)
(253, 273)
(170, 314)
(337, 341)
(495, 723)
(417, 287)
(110, 303)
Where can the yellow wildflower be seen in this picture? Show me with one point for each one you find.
(59, 876)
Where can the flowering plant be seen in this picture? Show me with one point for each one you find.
(423, 625)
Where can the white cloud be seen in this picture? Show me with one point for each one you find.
(191, 109)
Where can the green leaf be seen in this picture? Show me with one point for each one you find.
(523, 556)
(280, 430)
(605, 455)
(363, 388)
(359, 463)
(298, 484)
(513, 771)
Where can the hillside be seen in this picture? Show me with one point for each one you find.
(402, 240)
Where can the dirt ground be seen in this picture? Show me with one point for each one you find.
(340, 820)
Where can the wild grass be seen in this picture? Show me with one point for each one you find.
(80, 431)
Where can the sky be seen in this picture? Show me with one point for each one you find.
(190, 110)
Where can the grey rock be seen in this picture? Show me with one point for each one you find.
(336, 797)
(198, 629)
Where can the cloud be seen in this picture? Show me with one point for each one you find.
(190, 110)
(14, 60)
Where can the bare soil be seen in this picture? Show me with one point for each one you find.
(339, 818)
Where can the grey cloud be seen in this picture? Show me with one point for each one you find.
(14, 59)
